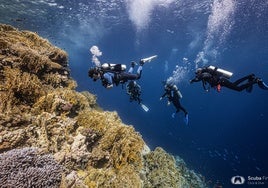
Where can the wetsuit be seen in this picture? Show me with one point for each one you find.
(134, 91)
(174, 96)
(216, 80)
(115, 77)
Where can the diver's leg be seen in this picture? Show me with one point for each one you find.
(226, 83)
(176, 104)
(251, 76)
(184, 110)
(128, 76)
(247, 85)
(139, 71)
(131, 69)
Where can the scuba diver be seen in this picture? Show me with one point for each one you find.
(217, 78)
(111, 74)
(174, 95)
(134, 92)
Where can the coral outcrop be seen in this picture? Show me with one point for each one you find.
(28, 168)
(39, 108)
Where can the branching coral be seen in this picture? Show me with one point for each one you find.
(13, 132)
(119, 148)
(29, 65)
(108, 178)
(64, 102)
(96, 120)
(20, 88)
(27, 168)
(162, 170)
(125, 146)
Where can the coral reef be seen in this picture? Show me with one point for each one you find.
(28, 168)
(40, 108)
(163, 170)
(29, 67)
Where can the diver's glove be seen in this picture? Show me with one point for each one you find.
(168, 103)
(160, 98)
(109, 86)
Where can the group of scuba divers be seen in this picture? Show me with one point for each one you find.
(210, 76)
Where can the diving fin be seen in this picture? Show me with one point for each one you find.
(148, 59)
(145, 108)
(186, 119)
(262, 85)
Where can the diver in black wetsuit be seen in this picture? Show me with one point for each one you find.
(174, 95)
(134, 91)
(216, 79)
(111, 74)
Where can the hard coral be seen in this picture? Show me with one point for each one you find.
(27, 168)
(20, 87)
(162, 170)
(125, 146)
(64, 102)
(96, 120)
(29, 67)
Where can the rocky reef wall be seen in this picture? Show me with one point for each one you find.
(41, 114)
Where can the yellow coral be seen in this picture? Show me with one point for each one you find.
(108, 178)
(125, 145)
(161, 169)
(20, 87)
(55, 101)
(29, 67)
(94, 120)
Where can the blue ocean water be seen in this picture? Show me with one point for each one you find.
(227, 131)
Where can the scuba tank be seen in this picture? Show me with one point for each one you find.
(222, 72)
(180, 95)
(114, 67)
(175, 88)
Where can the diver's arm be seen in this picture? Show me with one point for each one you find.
(139, 92)
(163, 95)
(204, 75)
(196, 79)
(204, 84)
(109, 78)
(138, 88)
(128, 92)
(128, 89)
